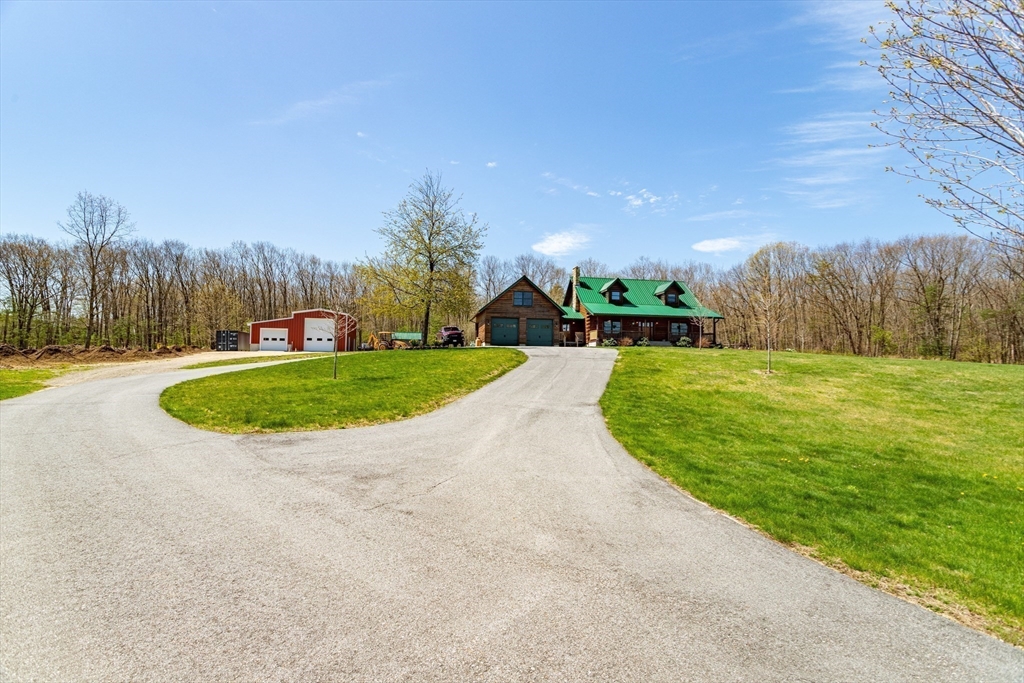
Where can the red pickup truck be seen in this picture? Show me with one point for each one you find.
(451, 336)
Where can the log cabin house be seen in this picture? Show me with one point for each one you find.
(595, 309)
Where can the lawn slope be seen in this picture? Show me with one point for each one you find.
(371, 388)
(909, 473)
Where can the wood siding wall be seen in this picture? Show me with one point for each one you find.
(502, 307)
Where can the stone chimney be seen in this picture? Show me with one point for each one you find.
(575, 286)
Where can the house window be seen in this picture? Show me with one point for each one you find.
(671, 298)
(522, 298)
(616, 297)
(612, 326)
(566, 327)
(680, 329)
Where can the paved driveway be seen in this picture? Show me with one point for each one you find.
(504, 537)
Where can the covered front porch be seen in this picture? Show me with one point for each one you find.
(702, 332)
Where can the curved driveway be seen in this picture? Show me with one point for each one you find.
(504, 537)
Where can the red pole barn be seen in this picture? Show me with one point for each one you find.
(312, 330)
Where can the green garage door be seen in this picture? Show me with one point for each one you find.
(505, 331)
(539, 332)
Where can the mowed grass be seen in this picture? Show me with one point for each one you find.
(372, 387)
(245, 360)
(912, 471)
(18, 382)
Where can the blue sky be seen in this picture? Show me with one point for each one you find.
(677, 131)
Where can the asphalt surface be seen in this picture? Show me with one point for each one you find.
(505, 537)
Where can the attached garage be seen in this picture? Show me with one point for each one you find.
(273, 339)
(505, 331)
(311, 330)
(540, 332)
(523, 314)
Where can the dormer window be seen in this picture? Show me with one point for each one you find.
(670, 299)
(616, 297)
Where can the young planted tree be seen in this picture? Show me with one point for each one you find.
(95, 223)
(955, 69)
(765, 285)
(430, 250)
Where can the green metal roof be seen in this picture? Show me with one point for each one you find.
(640, 299)
(660, 289)
(605, 286)
(407, 336)
(569, 314)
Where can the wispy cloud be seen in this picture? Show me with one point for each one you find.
(562, 243)
(566, 182)
(360, 134)
(720, 245)
(453, 163)
(844, 21)
(828, 158)
(644, 199)
(492, 164)
(832, 128)
(721, 215)
(321, 106)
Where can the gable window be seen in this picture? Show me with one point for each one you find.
(616, 296)
(522, 298)
(612, 326)
(671, 299)
(679, 329)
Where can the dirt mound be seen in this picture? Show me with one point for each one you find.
(11, 357)
(54, 353)
(7, 351)
(136, 354)
(176, 348)
(163, 351)
(100, 354)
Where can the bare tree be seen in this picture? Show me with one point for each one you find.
(493, 275)
(543, 271)
(765, 284)
(646, 269)
(26, 265)
(430, 249)
(95, 222)
(956, 74)
(591, 267)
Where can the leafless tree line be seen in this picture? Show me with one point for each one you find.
(947, 296)
(938, 296)
(149, 294)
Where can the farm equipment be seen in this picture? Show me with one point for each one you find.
(383, 341)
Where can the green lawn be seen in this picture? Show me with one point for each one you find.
(19, 382)
(372, 387)
(908, 470)
(245, 360)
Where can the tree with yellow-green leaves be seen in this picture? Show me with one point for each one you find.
(430, 250)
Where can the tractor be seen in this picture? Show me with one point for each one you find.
(382, 341)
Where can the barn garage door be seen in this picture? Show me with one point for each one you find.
(539, 332)
(319, 335)
(273, 339)
(505, 331)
